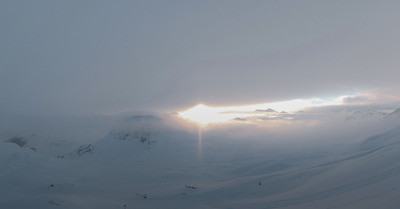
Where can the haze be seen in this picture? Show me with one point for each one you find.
(199, 104)
(107, 57)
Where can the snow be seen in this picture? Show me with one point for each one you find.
(145, 157)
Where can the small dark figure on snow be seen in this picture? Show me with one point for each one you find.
(142, 195)
(259, 183)
(190, 187)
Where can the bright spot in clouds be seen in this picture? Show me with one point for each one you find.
(204, 115)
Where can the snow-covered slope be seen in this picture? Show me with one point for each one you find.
(48, 144)
(395, 115)
(365, 177)
(367, 113)
(172, 168)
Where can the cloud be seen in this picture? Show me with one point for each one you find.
(382, 97)
(329, 126)
(169, 56)
(355, 99)
(331, 65)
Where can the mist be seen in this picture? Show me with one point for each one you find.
(85, 58)
(91, 94)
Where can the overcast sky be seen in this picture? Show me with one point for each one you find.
(100, 57)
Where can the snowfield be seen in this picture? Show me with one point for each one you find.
(147, 164)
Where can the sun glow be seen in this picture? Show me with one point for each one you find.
(204, 115)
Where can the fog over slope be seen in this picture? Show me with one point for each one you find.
(174, 164)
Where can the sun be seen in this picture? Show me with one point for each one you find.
(204, 115)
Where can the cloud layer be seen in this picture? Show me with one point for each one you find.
(62, 58)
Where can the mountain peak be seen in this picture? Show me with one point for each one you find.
(142, 118)
(267, 110)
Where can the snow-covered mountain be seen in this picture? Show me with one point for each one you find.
(135, 135)
(367, 113)
(340, 112)
(145, 163)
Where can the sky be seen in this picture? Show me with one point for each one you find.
(105, 57)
